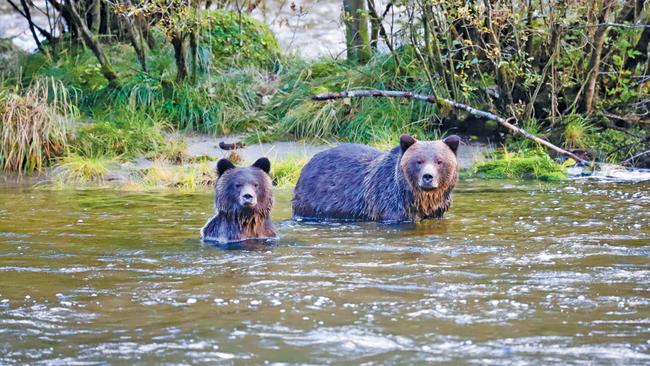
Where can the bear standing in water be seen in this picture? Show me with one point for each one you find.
(243, 201)
(411, 182)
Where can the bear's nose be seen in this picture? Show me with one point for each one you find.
(427, 178)
(247, 196)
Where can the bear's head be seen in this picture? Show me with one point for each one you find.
(244, 191)
(429, 165)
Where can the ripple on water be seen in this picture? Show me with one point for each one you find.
(516, 273)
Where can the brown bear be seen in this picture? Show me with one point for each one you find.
(411, 182)
(243, 201)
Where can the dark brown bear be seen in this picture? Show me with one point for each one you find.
(411, 182)
(243, 201)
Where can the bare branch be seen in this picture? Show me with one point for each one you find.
(443, 101)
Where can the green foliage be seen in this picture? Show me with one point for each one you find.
(286, 172)
(223, 104)
(532, 164)
(126, 136)
(237, 39)
(578, 132)
(614, 146)
(34, 125)
(362, 119)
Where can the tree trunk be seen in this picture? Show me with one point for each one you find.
(594, 60)
(529, 29)
(93, 44)
(95, 13)
(382, 31)
(356, 30)
(132, 34)
(32, 29)
(434, 53)
(194, 49)
(43, 32)
(179, 54)
(145, 30)
(374, 27)
(503, 82)
(642, 45)
(105, 19)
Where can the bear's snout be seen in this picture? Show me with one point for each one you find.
(428, 182)
(247, 197)
(428, 178)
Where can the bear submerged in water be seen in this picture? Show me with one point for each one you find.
(243, 201)
(411, 182)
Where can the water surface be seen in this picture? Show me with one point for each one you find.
(515, 273)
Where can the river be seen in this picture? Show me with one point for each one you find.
(308, 28)
(516, 273)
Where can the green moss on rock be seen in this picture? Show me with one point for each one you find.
(532, 164)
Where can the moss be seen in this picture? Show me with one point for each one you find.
(238, 39)
(534, 164)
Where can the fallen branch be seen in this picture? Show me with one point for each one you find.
(630, 159)
(234, 146)
(443, 101)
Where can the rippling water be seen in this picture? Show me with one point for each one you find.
(515, 273)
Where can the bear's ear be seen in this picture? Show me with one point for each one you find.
(405, 141)
(264, 164)
(452, 141)
(223, 165)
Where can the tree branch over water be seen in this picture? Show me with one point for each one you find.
(443, 101)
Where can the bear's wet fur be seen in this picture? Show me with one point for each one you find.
(243, 202)
(411, 182)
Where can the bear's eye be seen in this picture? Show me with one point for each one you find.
(439, 162)
(256, 185)
(419, 162)
(238, 185)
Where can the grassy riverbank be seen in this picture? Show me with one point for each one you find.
(59, 109)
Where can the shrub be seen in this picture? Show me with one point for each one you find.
(239, 40)
(34, 126)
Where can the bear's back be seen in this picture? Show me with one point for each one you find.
(331, 184)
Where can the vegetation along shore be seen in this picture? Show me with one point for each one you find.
(117, 93)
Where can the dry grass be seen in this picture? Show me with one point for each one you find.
(35, 125)
(162, 176)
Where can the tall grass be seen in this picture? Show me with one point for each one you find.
(295, 115)
(578, 133)
(36, 125)
(75, 169)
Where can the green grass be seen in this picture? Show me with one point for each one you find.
(285, 173)
(75, 169)
(578, 133)
(532, 164)
(123, 135)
